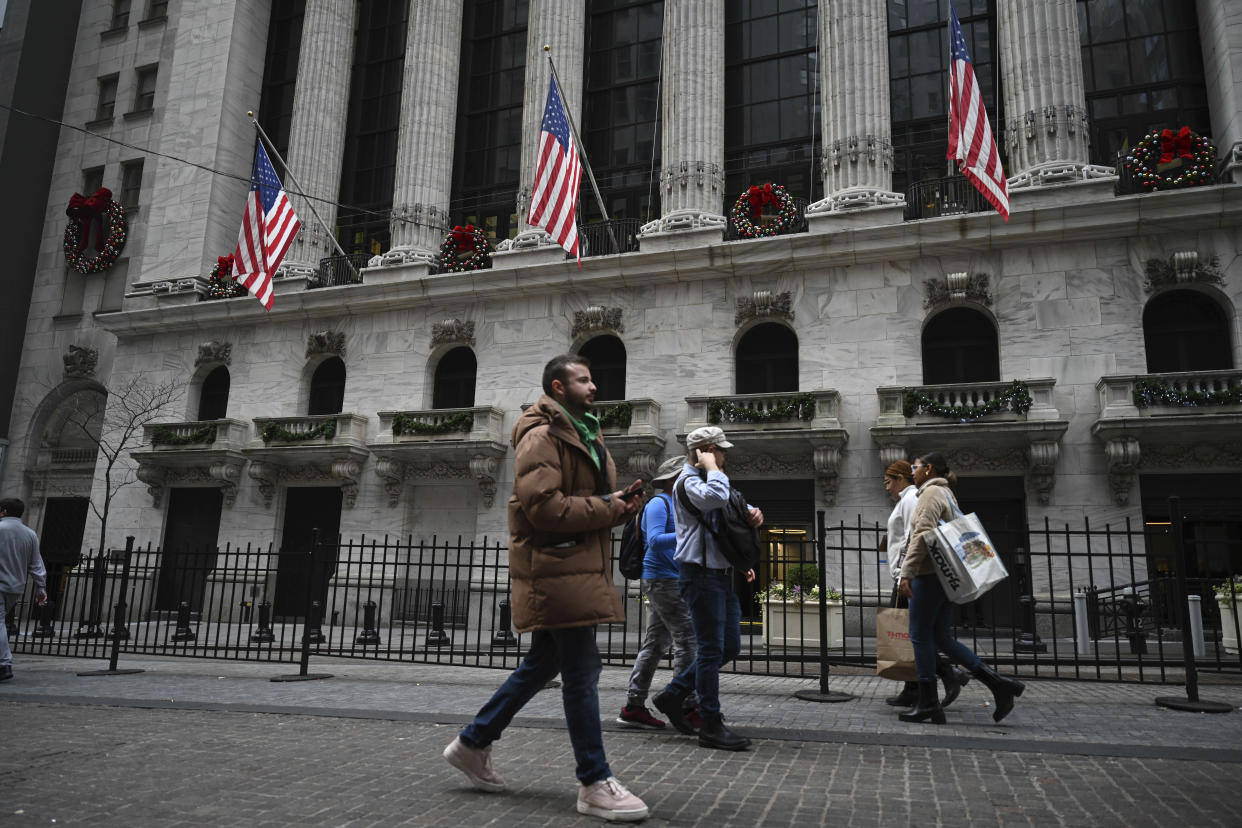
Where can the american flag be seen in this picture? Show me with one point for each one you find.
(267, 229)
(557, 174)
(970, 136)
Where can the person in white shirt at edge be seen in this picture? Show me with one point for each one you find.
(706, 584)
(899, 483)
(19, 559)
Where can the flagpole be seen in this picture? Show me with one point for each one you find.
(949, 163)
(582, 152)
(309, 202)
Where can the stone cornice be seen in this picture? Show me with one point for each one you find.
(1141, 215)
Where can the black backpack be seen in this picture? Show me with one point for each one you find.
(634, 545)
(736, 539)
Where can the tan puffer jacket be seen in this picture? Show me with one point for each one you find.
(935, 504)
(560, 561)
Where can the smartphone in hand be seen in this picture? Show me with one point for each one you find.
(633, 490)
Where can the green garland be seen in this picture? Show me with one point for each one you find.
(403, 423)
(273, 432)
(1016, 398)
(165, 436)
(1157, 392)
(619, 416)
(797, 407)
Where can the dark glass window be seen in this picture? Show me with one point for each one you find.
(1142, 69)
(454, 381)
(767, 360)
(213, 396)
(144, 88)
(107, 98)
(369, 168)
(157, 9)
(621, 109)
(120, 14)
(1184, 330)
(607, 356)
(131, 184)
(918, 55)
(280, 71)
(487, 159)
(959, 345)
(771, 96)
(327, 387)
(92, 180)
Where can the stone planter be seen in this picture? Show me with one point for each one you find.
(796, 625)
(1228, 616)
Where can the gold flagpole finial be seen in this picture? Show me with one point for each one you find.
(547, 48)
(250, 114)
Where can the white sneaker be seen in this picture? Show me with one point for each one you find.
(610, 800)
(475, 763)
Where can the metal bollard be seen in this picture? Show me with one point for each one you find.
(314, 624)
(183, 632)
(1132, 605)
(45, 628)
(369, 634)
(1082, 629)
(264, 634)
(1194, 605)
(504, 636)
(436, 636)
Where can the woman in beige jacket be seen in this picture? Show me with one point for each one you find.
(931, 623)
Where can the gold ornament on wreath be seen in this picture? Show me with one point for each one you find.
(221, 283)
(465, 248)
(748, 210)
(85, 212)
(1169, 160)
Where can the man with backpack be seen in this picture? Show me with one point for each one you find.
(712, 521)
(668, 617)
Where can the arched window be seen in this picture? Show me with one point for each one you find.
(454, 381)
(327, 387)
(959, 345)
(607, 356)
(213, 395)
(767, 360)
(1184, 330)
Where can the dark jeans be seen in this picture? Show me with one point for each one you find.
(574, 654)
(717, 617)
(931, 628)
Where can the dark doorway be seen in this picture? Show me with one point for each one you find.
(1184, 330)
(60, 544)
(787, 537)
(607, 356)
(327, 387)
(454, 381)
(307, 509)
(959, 345)
(767, 360)
(189, 548)
(213, 396)
(1000, 503)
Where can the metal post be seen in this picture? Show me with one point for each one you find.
(369, 634)
(119, 632)
(303, 673)
(1028, 640)
(45, 628)
(503, 636)
(1194, 607)
(264, 634)
(823, 694)
(1082, 631)
(183, 631)
(90, 629)
(436, 636)
(1192, 703)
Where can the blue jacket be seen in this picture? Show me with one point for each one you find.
(660, 535)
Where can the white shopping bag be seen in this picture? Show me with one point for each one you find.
(965, 558)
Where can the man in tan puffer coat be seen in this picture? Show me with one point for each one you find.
(560, 564)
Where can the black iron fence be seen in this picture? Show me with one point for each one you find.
(1081, 603)
(949, 196)
(603, 238)
(339, 270)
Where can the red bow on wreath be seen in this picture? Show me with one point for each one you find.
(225, 264)
(757, 197)
(83, 208)
(1178, 145)
(464, 236)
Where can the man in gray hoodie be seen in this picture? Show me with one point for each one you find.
(19, 559)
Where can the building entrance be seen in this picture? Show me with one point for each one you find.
(306, 509)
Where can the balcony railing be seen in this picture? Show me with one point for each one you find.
(952, 196)
(603, 238)
(217, 435)
(972, 400)
(339, 270)
(443, 424)
(760, 412)
(1162, 395)
(311, 430)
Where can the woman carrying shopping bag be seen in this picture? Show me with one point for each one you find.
(930, 609)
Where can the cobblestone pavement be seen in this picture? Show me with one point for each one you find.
(205, 743)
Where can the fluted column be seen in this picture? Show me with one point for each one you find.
(425, 142)
(1220, 34)
(317, 134)
(857, 117)
(692, 114)
(1041, 69)
(560, 24)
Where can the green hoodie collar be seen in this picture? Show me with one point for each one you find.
(588, 430)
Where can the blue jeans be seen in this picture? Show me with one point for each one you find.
(717, 618)
(931, 620)
(575, 655)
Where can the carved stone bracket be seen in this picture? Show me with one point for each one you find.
(452, 332)
(80, 363)
(223, 474)
(342, 471)
(1042, 455)
(210, 353)
(1123, 460)
(393, 473)
(640, 464)
(890, 453)
(484, 469)
(326, 342)
(267, 476)
(957, 287)
(154, 477)
(764, 303)
(597, 318)
(827, 460)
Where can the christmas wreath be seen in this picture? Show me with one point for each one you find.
(1196, 155)
(465, 248)
(221, 284)
(748, 211)
(81, 211)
